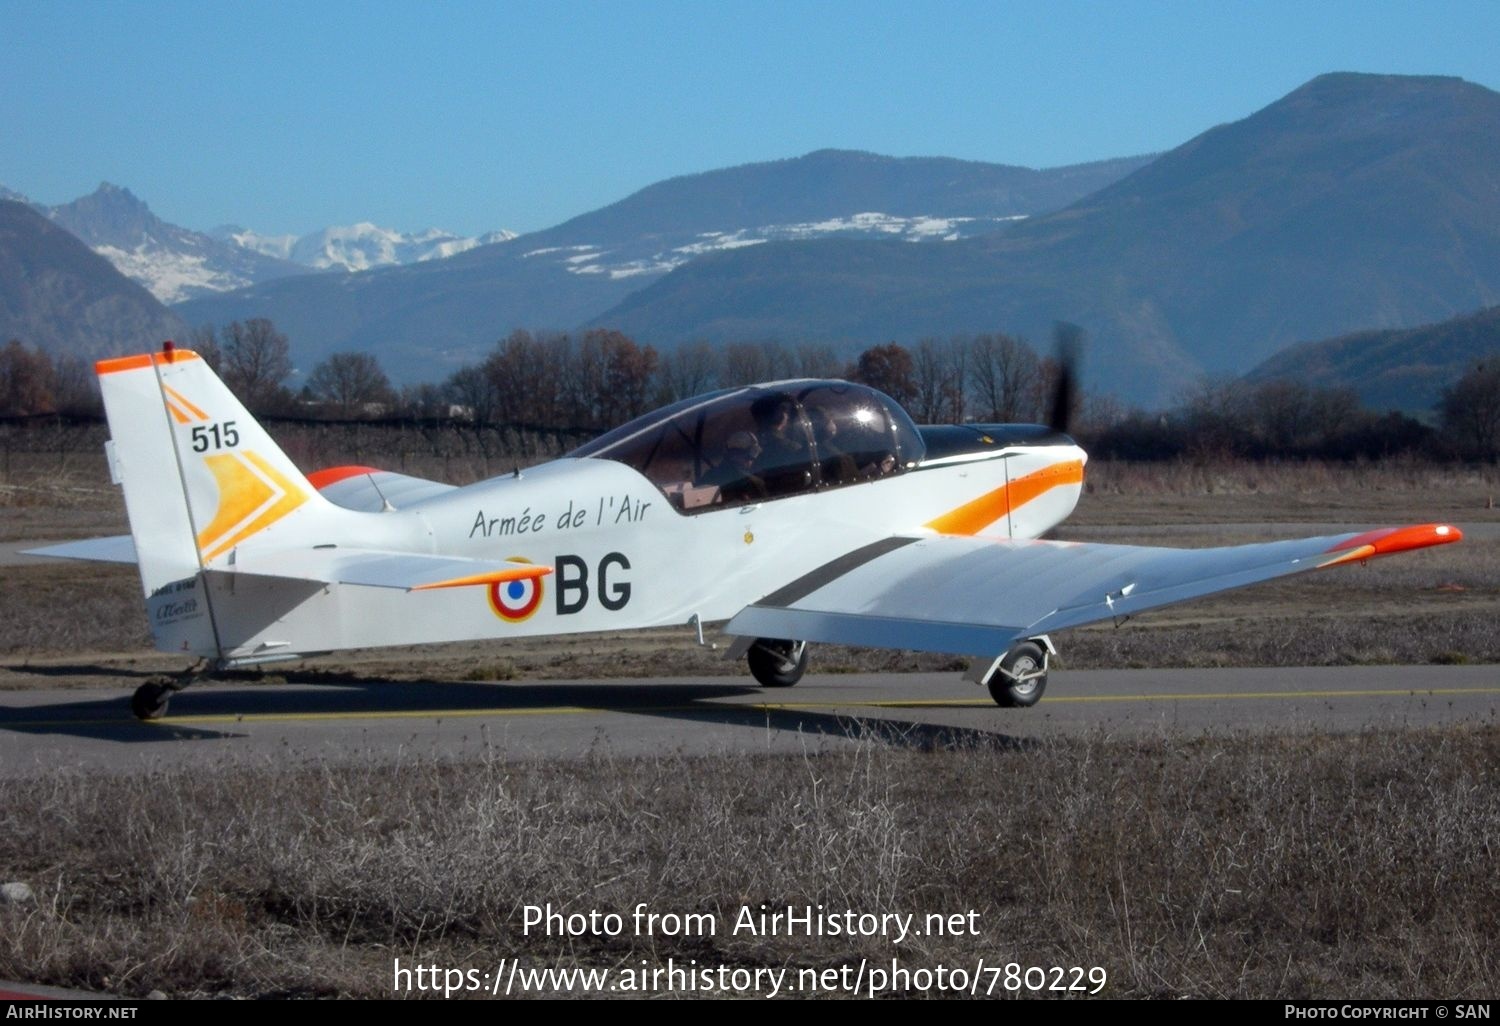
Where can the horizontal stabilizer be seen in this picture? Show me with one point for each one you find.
(115, 549)
(406, 570)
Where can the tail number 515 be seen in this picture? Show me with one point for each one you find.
(215, 436)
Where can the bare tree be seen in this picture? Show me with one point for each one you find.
(204, 341)
(746, 363)
(1218, 418)
(25, 381)
(928, 371)
(1471, 410)
(815, 360)
(1007, 377)
(351, 383)
(523, 379)
(469, 389)
(75, 387)
(691, 369)
(956, 365)
(257, 361)
(628, 371)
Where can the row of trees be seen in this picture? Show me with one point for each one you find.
(31, 383)
(590, 382)
(603, 377)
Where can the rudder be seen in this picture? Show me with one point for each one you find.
(200, 476)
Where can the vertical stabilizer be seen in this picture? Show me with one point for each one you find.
(201, 477)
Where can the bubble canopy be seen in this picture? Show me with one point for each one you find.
(764, 442)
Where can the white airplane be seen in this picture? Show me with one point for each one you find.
(797, 511)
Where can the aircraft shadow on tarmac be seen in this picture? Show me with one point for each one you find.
(313, 694)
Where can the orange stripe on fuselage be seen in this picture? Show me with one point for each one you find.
(974, 516)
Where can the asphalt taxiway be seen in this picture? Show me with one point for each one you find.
(47, 728)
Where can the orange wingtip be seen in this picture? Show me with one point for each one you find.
(520, 573)
(125, 363)
(1386, 540)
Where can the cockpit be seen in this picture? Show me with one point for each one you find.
(764, 442)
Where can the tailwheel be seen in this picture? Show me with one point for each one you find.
(776, 663)
(1020, 678)
(150, 700)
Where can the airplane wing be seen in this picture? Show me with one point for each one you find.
(976, 596)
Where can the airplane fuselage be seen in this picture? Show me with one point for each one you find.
(623, 557)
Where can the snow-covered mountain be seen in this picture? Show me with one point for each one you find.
(358, 247)
(178, 264)
(656, 254)
(174, 263)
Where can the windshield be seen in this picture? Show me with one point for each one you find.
(764, 442)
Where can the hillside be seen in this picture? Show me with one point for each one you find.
(59, 295)
(424, 320)
(1357, 201)
(1403, 369)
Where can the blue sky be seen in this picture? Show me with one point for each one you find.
(472, 116)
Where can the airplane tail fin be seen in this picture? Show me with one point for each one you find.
(201, 476)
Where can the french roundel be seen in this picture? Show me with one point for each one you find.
(516, 600)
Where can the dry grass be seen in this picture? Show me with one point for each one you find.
(1225, 867)
(1391, 491)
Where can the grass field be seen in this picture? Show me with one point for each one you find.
(1356, 867)
(1246, 866)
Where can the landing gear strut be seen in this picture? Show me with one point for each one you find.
(1018, 678)
(777, 663)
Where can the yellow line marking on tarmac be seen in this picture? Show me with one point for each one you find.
(895, 703)
(899, 703)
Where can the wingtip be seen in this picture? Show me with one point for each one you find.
(1387, 540)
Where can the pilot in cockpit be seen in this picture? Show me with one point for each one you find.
(735, 475)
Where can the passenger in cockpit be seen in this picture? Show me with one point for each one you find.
(785, 460)
(838, 466)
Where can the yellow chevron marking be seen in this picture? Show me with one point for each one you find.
(174, 396)
(253, 495)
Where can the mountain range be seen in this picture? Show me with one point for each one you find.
(425, 320)
(177, 263)
(1357, 201)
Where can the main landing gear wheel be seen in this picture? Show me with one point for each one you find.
(150, 700)
(777, 663)
(1021, 677)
